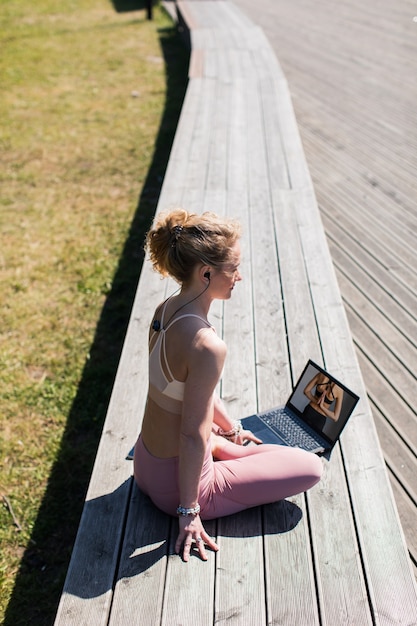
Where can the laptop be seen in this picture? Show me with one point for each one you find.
(302, 422)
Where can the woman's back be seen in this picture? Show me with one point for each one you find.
(171, 349)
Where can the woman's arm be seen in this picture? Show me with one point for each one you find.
(220, 416)
(307, 391)
(335, 414)
(227, 425)
(205, 364)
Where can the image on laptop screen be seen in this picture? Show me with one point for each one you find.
(322, 401)
(312, 418)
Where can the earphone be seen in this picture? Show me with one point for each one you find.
(156, 324)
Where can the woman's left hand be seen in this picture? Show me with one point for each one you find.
(191, 530)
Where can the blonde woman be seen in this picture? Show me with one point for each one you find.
(190, 458)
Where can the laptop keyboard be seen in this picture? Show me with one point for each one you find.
(293, 433)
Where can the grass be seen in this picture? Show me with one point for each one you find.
(90, 101)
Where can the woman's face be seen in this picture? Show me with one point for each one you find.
(225, 278)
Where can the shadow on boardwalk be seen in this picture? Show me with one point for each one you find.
(44, 564)
(124, 6)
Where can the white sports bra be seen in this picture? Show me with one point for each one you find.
(168, 393)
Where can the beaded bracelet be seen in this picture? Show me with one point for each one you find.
(185, 512)
(234, 432)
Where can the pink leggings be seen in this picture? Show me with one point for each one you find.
(263, 474)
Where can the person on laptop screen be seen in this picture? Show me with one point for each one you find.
(326, 399)
(179, 462)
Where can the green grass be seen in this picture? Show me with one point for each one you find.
(90, 100)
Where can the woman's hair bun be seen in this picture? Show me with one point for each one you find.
(178, 240)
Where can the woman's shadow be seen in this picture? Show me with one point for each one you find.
(45, 561)
(148, 538)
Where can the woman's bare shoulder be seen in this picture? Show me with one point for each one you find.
(207, 349)
(208, 341)
(195, 343)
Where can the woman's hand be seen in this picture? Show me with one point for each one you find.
(191, 530)
(245, 436)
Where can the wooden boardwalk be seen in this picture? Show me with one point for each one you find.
(335, 555)
(352, 73)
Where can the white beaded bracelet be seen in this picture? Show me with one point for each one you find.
(234, 432)
(185, 512)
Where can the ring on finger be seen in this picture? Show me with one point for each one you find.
(198, 539)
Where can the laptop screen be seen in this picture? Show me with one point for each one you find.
(322, 401)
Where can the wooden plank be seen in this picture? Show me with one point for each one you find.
(196, 69)
(291, 592)
(399, 415)
(301, 325)
(143, 564)
(329, 312)
(402, 381)
(238, 383)
(218, 139)
(339, 569)
(240, 584)
(407, 513)
(299, 175)
(279, 176)
(349, 270)
(385, 282)
(394, 257)
(392, 182)
(270, 348)
(184, 603)
(221, 15)
(88, 589)
(400, 459)
(176, 172)
(187, 14)
(394, 230)
(231, 12)
(379, 324)
(198, 154)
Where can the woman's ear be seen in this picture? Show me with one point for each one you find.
(205, 273)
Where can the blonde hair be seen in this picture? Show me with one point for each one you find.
(179, 240)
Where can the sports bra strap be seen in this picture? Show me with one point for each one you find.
(180, 317)
(164, 306)
(163, 331)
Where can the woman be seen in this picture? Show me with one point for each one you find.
(186, 426)
(325, 401)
